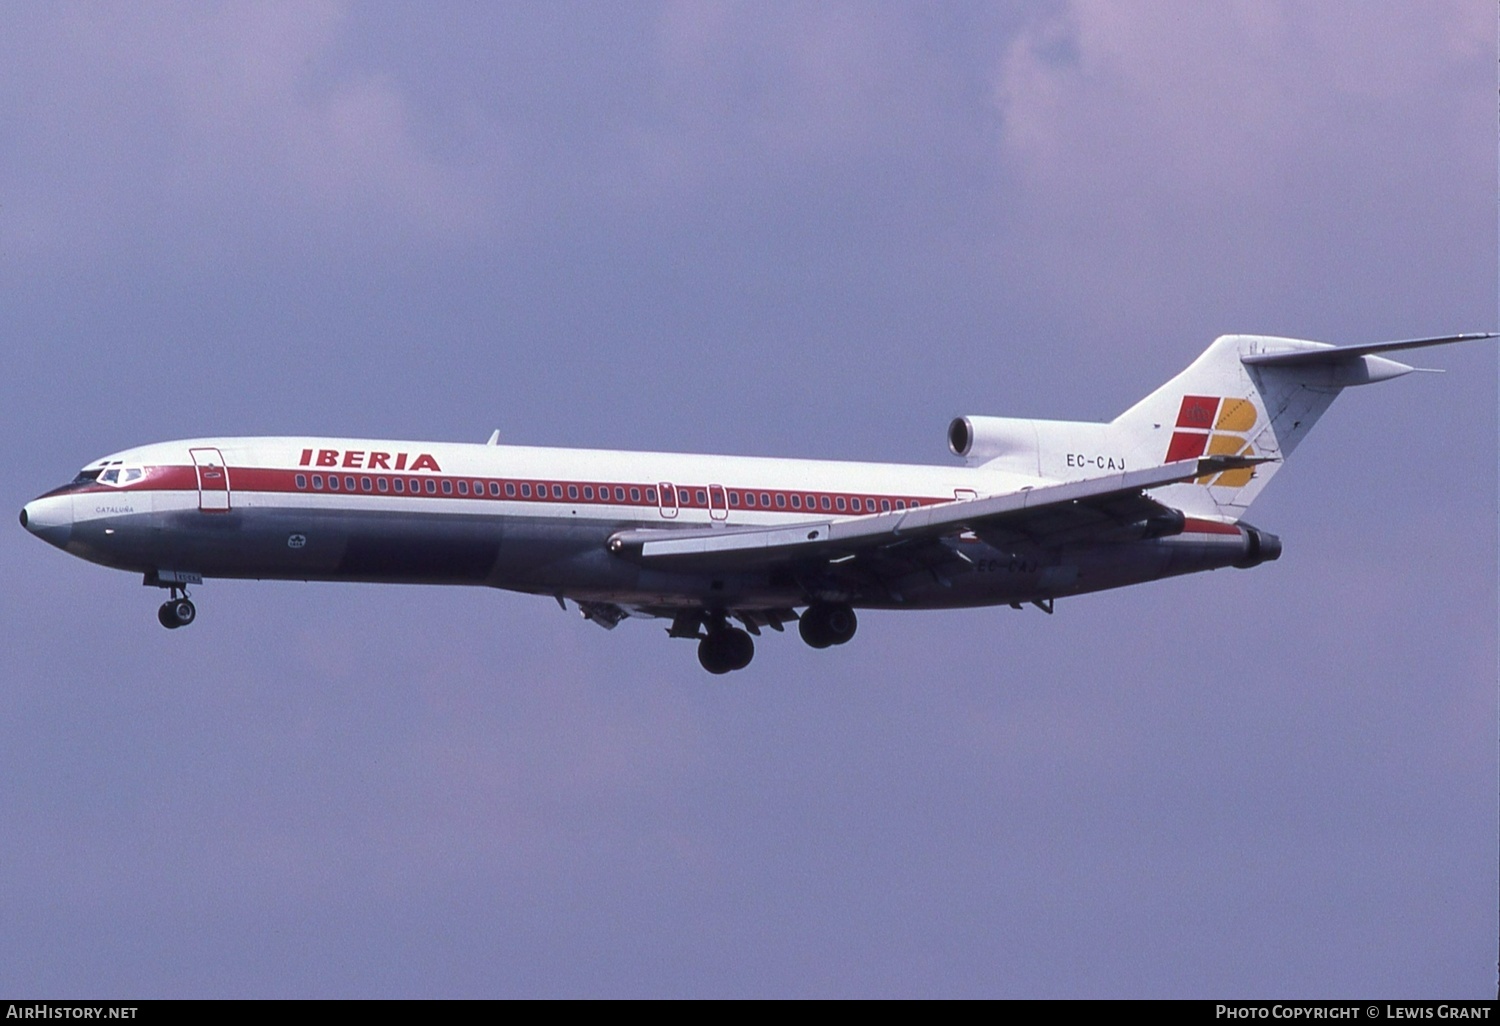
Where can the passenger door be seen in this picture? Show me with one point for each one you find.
(213, 480)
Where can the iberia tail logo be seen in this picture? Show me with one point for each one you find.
(1209, 425)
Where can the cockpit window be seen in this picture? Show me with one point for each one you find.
(85, 476)
(120, 476)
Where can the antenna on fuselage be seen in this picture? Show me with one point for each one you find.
(494, 438)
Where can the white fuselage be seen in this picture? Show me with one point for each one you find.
(538, 520)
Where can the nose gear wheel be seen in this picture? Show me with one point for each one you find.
(177, 612)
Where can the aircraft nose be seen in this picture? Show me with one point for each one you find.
(50, 519)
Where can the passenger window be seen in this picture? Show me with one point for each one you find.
(765, 499)
(796, 502)
(557, 491)
(588, 493)
(854, 504)
(349, 483)
(333, 483)
(415, 486)
(318, 482)
(572, 491)
(431, 486)
(494, 489)
(399, 484)
(780, 500)
(839, 503)
(826, 503)
(885, 505)
(383, 484)
(463, 487)
(525, 490)
(900, 504)
(301, 481)
(447, 487)
(702, 497)
(682, 497)
(650, 494)
(619, 494)
(366, 484)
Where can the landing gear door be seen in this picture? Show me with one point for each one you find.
(213, 480)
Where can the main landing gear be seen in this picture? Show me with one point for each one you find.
(721, 648)
(725, 648)
(827, 624)
(177, 611)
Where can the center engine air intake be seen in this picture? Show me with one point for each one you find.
(984, 438)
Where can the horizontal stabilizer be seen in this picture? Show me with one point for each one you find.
(1325, 354)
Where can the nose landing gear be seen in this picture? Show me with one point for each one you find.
(177, 611)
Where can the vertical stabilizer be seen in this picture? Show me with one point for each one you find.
(1246, 395)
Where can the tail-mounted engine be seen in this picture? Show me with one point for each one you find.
(980, 439)
(1058, 449)
(1260, 547)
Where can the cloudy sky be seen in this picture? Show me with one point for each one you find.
(785, 229)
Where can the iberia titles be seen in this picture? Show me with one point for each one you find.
(360, 460)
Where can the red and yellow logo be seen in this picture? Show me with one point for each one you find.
(1215, 427)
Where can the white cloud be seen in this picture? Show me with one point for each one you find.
(1250, 145)
(1177, 91)
(778, 91)
(136, 119)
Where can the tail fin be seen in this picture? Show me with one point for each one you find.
(1251, 395)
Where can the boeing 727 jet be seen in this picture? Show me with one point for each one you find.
(724, 547)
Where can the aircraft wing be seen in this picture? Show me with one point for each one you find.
(1046, 515)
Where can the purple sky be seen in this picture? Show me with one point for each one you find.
(802, 230)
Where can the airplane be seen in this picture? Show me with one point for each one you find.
(725, 546)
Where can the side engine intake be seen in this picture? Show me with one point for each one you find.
(984, 438)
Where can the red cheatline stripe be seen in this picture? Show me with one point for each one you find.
(275, 480)
(271, 480)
